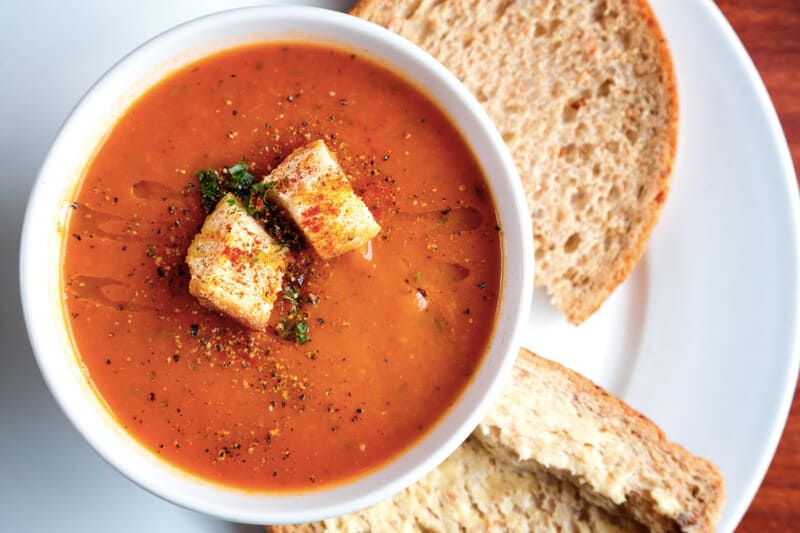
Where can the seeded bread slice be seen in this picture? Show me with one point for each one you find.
(553, 418)
(554, 453)
(583, 93)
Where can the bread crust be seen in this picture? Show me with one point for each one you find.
(582, 254)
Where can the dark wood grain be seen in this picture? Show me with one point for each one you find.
(770, 30)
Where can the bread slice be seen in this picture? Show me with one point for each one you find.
(555, 453)
(550, 417)
(583, 92)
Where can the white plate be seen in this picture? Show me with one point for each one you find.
(702, 338)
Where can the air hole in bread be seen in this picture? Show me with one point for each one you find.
(572, 243)
(503, 7)
(570, 112)
(600, 11)
(605, 88)
(579, 199)
(586, 151)
(508, 136)
(613, 194)
(540, 30)
(624, 38)
(568, 152)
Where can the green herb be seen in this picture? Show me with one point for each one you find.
(210, 190)
(241, 180)
(301, 332)
(294, 329)
(293, 324)
(214, 185)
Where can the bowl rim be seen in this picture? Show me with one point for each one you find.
(440, 442)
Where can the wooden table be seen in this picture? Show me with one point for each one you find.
(770, 30)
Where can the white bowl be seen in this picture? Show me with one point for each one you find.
(44, 234)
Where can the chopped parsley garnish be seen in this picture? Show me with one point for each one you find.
(293, 324)
(301, 332)
(236, 179)
(210, 189)
(241, 180)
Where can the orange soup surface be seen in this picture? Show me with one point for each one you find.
(396, 330)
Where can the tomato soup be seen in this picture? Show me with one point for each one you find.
(394, 332)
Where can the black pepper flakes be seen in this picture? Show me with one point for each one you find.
(482, 285)
(193, 330)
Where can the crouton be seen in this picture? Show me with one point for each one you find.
(236, 268)
(312, 187)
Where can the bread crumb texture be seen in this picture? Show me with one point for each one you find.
(583, 92)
